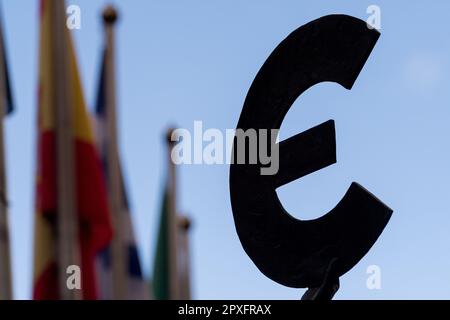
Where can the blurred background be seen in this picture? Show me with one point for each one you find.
(181, 61)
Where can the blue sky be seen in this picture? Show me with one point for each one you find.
(181, 61)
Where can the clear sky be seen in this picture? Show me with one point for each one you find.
(181, 61)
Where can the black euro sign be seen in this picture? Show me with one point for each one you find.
(293, 252)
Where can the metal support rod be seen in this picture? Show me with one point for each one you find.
(172, 223)
(115, 191)
(184, 225)
(329, 286)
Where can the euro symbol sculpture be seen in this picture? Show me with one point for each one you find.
(295, 253)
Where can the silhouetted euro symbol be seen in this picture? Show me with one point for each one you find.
(289, 251)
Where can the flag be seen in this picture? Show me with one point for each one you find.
(161, 273)
(9, 103)
(94, 227)
(171, 274)
(136, 286)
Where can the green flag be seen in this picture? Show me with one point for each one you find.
(161, 273)
(171, 279)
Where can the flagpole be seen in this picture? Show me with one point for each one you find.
(184, 225)
(5, 258)
(174, 288)
(67, 232)
(115, 193)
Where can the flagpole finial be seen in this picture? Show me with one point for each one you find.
(170, 136)
(110, 14)
(184, 223)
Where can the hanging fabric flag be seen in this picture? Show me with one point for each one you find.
(136, 286)
(7, 93)
(92, 216)
(6, 104)
(161, 274)
(171, 274)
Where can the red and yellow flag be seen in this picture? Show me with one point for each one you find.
(94, 226)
